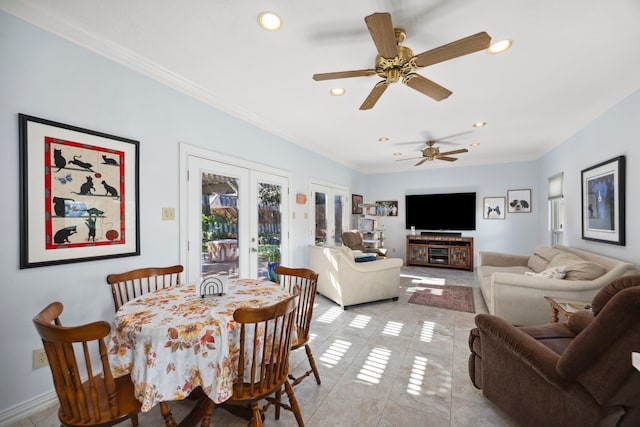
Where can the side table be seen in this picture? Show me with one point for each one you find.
(565, 306)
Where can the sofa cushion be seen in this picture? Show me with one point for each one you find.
(488, 270)
(541, 257)
(558, 272)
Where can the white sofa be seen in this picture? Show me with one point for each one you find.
(347, 282)
(519, 298)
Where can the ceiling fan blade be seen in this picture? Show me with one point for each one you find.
(374, 95)
(381, 30)
(454, 49)
(343, 74)
(426, 86)
(455, 135)
(460, 151)
(448, 159)
(407, 143)
(412, 158)
(421, 162)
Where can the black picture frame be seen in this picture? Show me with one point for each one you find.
(356, 204)
(79, 194)
(603, 201)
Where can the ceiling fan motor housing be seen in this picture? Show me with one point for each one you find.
(393, 68)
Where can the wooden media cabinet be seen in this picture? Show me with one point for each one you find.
(440, 251)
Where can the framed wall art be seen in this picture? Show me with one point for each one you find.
(356, 204)
(387, 208)
(79, 194)
(493, 208)
(603, 202)
(519, 201)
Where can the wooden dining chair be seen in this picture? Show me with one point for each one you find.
(131, 284)
(263, 362)
(307, 281)
(100, 400)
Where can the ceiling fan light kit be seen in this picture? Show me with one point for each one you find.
(396, 62)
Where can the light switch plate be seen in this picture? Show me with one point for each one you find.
(168, 214)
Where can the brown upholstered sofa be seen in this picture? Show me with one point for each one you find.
(555, 374)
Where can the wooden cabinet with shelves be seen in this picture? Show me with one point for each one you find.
(440, 251)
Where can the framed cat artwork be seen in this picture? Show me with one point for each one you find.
(79, 194)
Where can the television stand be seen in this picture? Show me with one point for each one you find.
(437, 250)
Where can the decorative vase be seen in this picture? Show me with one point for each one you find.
(271, 266)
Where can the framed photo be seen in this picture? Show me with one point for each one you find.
(356, 204)
(493, 208)
(387, 208)
(603, 202)
(519, 201)
(79, 194)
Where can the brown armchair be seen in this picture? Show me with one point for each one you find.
(557, 374)
(355, 241)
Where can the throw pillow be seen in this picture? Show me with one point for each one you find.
(578, 268)
(584, 270)
(365, 258)
(541, 257)
(550, 273)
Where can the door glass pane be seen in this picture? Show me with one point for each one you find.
(338, 209)
(321, 218)
(269, 229)
(219, 225)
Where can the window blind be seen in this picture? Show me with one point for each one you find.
(555, 186)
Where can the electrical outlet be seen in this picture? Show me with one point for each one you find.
(39, 358)
(168, 214)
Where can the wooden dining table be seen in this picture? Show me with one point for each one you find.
(173, 341)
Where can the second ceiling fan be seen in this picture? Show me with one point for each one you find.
(395, 62)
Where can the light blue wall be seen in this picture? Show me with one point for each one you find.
(45, 76)
(516, 233)
(615, 133)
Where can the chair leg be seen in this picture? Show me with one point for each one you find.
(134, 420)
(257, 415)
(208, 411)
(293, 403)
(165, 410)
(312, 362)
(279, 399)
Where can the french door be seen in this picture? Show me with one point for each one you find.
(329, 211)
(236, 219)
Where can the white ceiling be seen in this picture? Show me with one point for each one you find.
(571, 61)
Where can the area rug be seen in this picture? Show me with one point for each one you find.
(459, 298)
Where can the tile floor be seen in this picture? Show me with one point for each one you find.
(385, 364)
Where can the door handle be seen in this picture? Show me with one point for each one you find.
(254, 249)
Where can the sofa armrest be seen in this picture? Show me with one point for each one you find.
(520, 298)
(580, 320)
(500, 259)
(503, 337)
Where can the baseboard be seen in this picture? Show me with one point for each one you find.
(26, 409)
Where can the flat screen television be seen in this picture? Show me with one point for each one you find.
(446, 211)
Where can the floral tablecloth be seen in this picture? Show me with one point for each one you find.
(172, 341)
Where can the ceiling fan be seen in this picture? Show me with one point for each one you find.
(395, 62)
(430, 153)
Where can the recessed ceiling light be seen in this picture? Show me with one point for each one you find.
(479, 124)
(269, 21)
(337, 91)
(474, 144)
(383, 139)
(397, 153)
(500, 46)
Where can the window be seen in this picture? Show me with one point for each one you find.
(556, 209)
